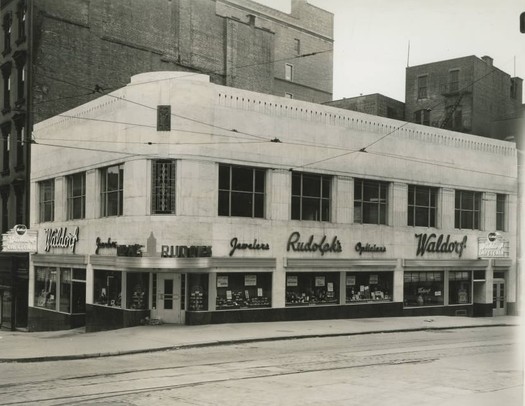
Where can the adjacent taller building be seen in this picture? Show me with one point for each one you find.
(467, 94)
(58, 54)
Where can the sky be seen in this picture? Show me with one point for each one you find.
(372, 38)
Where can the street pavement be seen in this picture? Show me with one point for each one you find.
(19, 346)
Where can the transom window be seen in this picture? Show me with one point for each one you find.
(163, 187)
(501, 201)
(311, 196)
(370, 201)
(468, 210)
(422, 206)
(241, 191)
(76, 196)
(112, 191)
(47, 200)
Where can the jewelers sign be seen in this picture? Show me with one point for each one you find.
(493, 246)
(20, 239)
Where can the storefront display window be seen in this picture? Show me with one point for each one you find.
(368, 286)
(46, 288)
(243, 290)
(423, 288)
(312, 288)
(137, 290)
(459, 287)
(198, 286)
(107, 288)
(65, 290)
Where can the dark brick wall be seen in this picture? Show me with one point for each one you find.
(83, 43)
(375, 104)
(487, 100)
(47, 320)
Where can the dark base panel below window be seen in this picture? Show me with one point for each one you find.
(466, 310)
(296, 313)
(46, 320)
(512, 309)
(100, 318)
(482, 310)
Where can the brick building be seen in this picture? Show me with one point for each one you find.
(375, 104)
(58, 54)
(467, 94)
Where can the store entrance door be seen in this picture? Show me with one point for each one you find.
(498, 298)
(169, 298)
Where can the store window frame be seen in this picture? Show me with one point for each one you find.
(369, 286)
(112, 192)
(311, 197)
(466, 213)
(243, 290)
(371, 207)
(501, 212)
(424, 204)
(46, 200)
(460, 287)
(425, 290)
(76, 196)
(242, 191)
(60, 293)
(312, 288)
(163, 183)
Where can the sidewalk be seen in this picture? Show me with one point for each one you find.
(76, 344)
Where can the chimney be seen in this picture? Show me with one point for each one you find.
(488, 60)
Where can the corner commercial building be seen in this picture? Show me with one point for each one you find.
(56, 55)
(179, 199)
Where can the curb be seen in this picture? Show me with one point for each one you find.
(232, 342)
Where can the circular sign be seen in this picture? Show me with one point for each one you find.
(492, 237)
(20, 229)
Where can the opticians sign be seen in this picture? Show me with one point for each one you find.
(20, 239)
(493, 246)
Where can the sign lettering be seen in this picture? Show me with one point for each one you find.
(61, 238)
(432, 243)
(322, 246)
(236, 245)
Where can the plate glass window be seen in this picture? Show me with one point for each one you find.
(76, 196)
(112, 190)
(370, 201)
(467, 210)
(422, 206)
(47, 200)
(311, 196)
(241, 191)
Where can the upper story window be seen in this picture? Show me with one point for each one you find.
(20, 143)
(370, 201)
(453, 80)
(241, 191)
(288, 72)
(21, 16)
(163, 187)
(422, 206)
(422, 87)
(513, 88)
(76, 196)
(288, 95)
(6, 76)
(311, 196)
(164, 118)
(422, 117)
(4, 194)
(6, 147)
(112, 191)
(297, 46)
(501, 203)
(47, 200)
(467, 210)
(7, 27)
